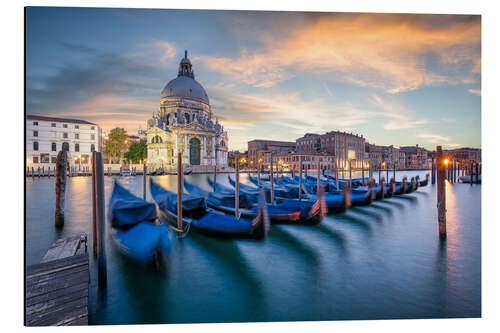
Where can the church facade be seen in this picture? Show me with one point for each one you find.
(184, 123)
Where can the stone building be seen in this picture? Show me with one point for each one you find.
(344, 146)
(258, 151)
(46, 136)
(184, 123)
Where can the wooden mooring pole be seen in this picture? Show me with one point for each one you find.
(363, 172)
(441, 193)
(180, 188)
(144, 176)
(471, 173)
(300, 177)
(477, 173)
(272, 181)
(94, 208)
(98, 178)
(61, 160)
(237, 186)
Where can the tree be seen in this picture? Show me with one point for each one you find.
(137, 151)
(116, 144)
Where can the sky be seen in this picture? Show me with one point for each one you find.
(400, 79)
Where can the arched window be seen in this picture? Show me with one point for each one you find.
(65, 146)
(54, 146)
(156, 139)
(186, 118)
(35, 145)
(92, 147)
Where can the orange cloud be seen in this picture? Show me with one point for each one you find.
(386, 51)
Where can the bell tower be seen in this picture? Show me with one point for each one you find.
(185, 67)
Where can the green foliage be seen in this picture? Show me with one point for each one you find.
(137, 151)
(116, 144)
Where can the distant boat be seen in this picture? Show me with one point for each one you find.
(196, 214)
(134, 229)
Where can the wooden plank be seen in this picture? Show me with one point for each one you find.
(52, 285)
(59, 314)
(58, 275)
(56, 294)
(63, 248)
(54, 265)
(54, 301)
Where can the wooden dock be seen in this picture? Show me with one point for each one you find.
(57, 289)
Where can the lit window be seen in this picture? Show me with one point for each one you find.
(35, 145)
(35, 159)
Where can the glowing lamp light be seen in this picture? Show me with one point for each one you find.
(446, 161)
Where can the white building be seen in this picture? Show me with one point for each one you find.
(183, 123)
(45, 137)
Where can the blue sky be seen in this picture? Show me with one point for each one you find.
(396, 79)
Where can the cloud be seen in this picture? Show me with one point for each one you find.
(475, 91)
(168, 50)
(397, 116)
(434, 138)
(393, 53)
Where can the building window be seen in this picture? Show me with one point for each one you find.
(53, 159)
(77, 147)
(54, 146)
(35, 123)
(92, 128)
(44, 158)
(77, 126)
(65, 125)
(77, 136)
(65, 146)
(65, 135)
(35, 146)
(92, 147)
(92, 136)
(53, 124)
(35, 159)
(35, 133)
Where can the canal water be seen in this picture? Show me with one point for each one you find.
(378, 262)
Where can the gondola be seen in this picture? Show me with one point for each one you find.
(423, 183)
(336, 202)
(133, 227)
(291, 211)
(206, 220)
(281, 191)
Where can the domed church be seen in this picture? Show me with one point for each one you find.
(183, 122)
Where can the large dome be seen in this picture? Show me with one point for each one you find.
(184, 86)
